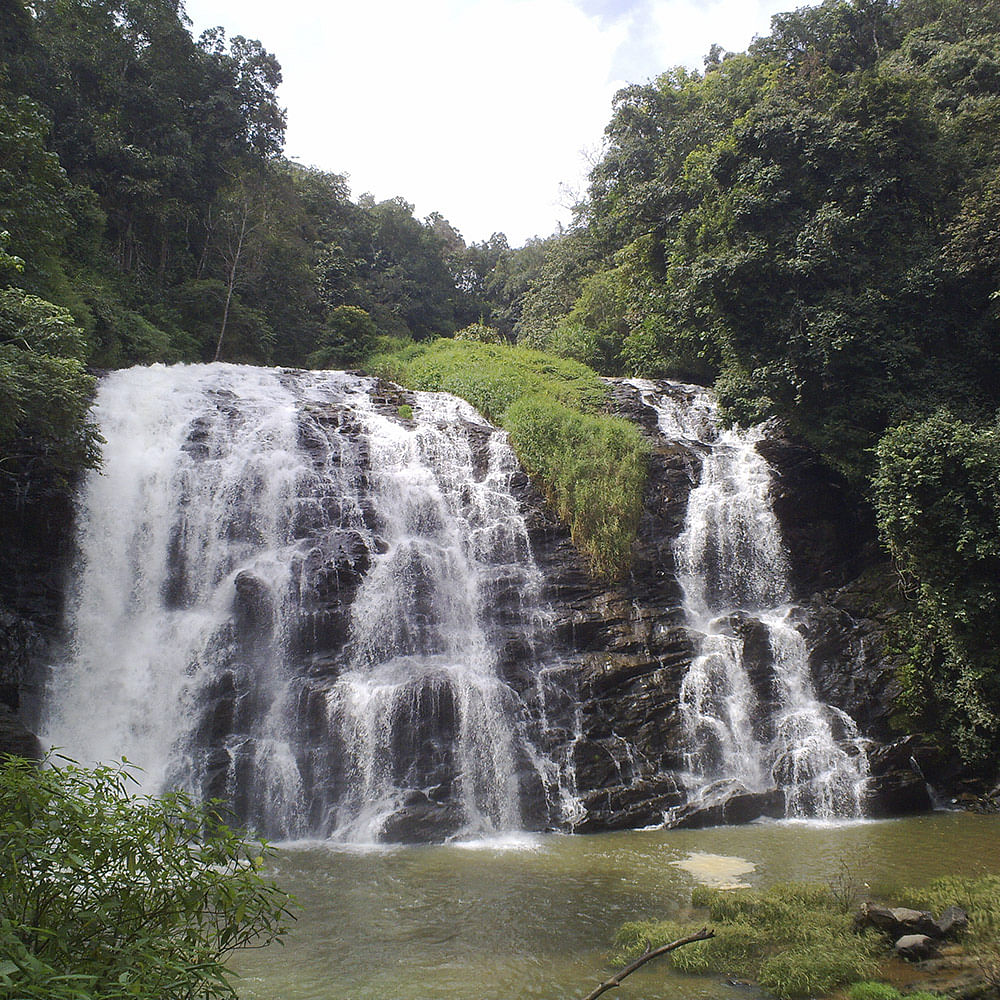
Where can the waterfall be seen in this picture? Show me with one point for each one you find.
(290, 596)
(750, 714)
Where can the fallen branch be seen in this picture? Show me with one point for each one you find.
(616, 980)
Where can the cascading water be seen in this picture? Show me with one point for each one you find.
(289, 596)
(750, 725)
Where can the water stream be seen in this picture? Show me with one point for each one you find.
(750, 724)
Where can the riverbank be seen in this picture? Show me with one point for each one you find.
(535, 917)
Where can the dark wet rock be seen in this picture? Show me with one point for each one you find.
(421, 820)
(15, 739)
(897, 793)
(254, 601)
(36, 544)
(851, 665)
(737, 808)
(628, 806)
(906, 774)
(830, 537)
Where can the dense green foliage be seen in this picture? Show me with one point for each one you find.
(795, 940)
(804, 222)
(591, 466)
(937, 497)
(104, 896)
(44, 389)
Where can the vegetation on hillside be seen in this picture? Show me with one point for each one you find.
(146, 208)
(592, 466)
(110, 897)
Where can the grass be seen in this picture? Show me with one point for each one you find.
(794, 940)
(884, 991)
(798, 940)
(979, 897)
(591, 466)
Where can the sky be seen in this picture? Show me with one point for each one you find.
(487, 111)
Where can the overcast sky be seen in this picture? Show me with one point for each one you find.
(486, 111)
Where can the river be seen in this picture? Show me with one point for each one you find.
(534, 916)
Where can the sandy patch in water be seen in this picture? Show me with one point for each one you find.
(716, 870)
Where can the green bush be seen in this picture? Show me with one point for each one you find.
(868, 990)
(105, 897)
(348, 335)
(814, 969)
(938, 510)
(45, 391)
(591, 466)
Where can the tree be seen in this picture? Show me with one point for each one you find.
(45, 391)
(34, 188)
(106, 897)
(412, 288)
(347, 338)
(242, 219)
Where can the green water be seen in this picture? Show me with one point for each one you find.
(534, 917)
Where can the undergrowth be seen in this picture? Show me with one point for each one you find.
(980, 898)
(795, 940)
(591, 466)
(799, 940)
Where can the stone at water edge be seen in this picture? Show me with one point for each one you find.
(737, 809)
(916, 947)
(898, 921)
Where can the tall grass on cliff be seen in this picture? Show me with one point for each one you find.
(592, 466)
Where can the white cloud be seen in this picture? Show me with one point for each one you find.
(478, 109)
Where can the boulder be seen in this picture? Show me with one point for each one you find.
(738, 808)
(952, 922)
(901, 921)
(420, 820)
(897, 785)
(916, 947)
